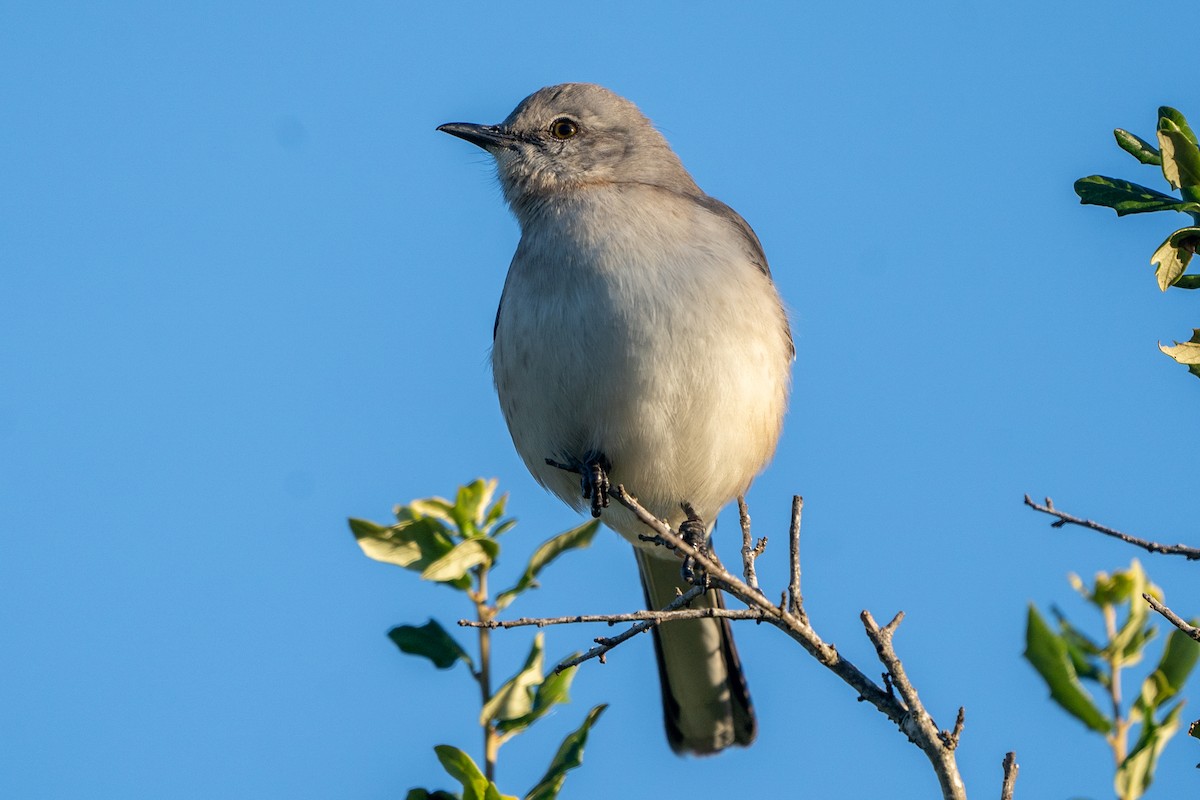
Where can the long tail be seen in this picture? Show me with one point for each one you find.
(706, 704)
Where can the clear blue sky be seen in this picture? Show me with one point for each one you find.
(246, 291)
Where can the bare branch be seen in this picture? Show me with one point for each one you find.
(1173, 618)
(795, 599)
(604, 644)
(910, 716)
(950, 738)
(897, 699)
(750, 549)
(666, 615)
(1011, 768)
(1063, 518)
(917, 725)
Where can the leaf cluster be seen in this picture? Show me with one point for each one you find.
(1178, 157)
(1066, 657)
(457, 544)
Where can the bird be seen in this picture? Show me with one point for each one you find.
(639, 341)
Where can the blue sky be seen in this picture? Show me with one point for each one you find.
(246, 292)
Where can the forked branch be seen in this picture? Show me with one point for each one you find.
(1063, 518)
(897, 698)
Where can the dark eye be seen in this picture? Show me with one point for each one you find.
(563, 128)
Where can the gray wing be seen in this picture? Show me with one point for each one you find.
(754, 248)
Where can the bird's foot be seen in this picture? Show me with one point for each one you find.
(593, 477)
(693, 531)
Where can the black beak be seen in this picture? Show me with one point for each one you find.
(485, 136)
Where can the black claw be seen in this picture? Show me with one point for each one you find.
(594, 481)
(593, 478)
(693, 531)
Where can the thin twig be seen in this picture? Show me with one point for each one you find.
(899, 701)
(912, 718)
(750, 549)
(917, 725)
(1063, 518)
(795, 599)
(1173, 618)
(603, 644)
(950, 738)
(666, 615)
(1011, 768)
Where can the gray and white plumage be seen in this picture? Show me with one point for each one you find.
(639, 322)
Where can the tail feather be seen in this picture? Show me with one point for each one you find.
(706, 703)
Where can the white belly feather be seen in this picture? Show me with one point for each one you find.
(669, 354)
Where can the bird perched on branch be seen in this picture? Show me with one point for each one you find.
(639, 341)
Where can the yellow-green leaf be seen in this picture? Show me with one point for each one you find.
(466, 554)
(1180, 122)
(568, 757)
(552, 691)
(437, 507)
(1187, 353)
(1178, 659)
(414, 544)
(1172, 257)
(1180, 157)
(1136, 772)
(515, 698)
(462, 768)
(471, 503)
(549, 550)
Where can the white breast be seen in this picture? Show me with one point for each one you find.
(653, 339)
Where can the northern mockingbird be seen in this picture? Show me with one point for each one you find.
(640, 340)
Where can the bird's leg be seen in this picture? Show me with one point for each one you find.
(593, 477)
(693, 531)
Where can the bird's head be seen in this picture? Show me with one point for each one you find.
(567, 137)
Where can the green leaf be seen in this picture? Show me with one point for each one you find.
(515, 698)
(470, 506)
(502, 528)
(1177, 661)
(1127, 198)
(1166, 112)
(1131, 648)
(425, 794)
(1188, 282)
(453, 566)
(430, 641)
(496, 511)
(1127, 586)
(1110, 590)
(458, 765)
(1081, 650)
(569, 756)
(413, 544)
(1173, 255)
(1138, 147)
(1136, 772)
(548, 551)
(1180, 157)
(1078, 585)
(551, 692)
(1047, 652)
(1187, 353)
(436, 507)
